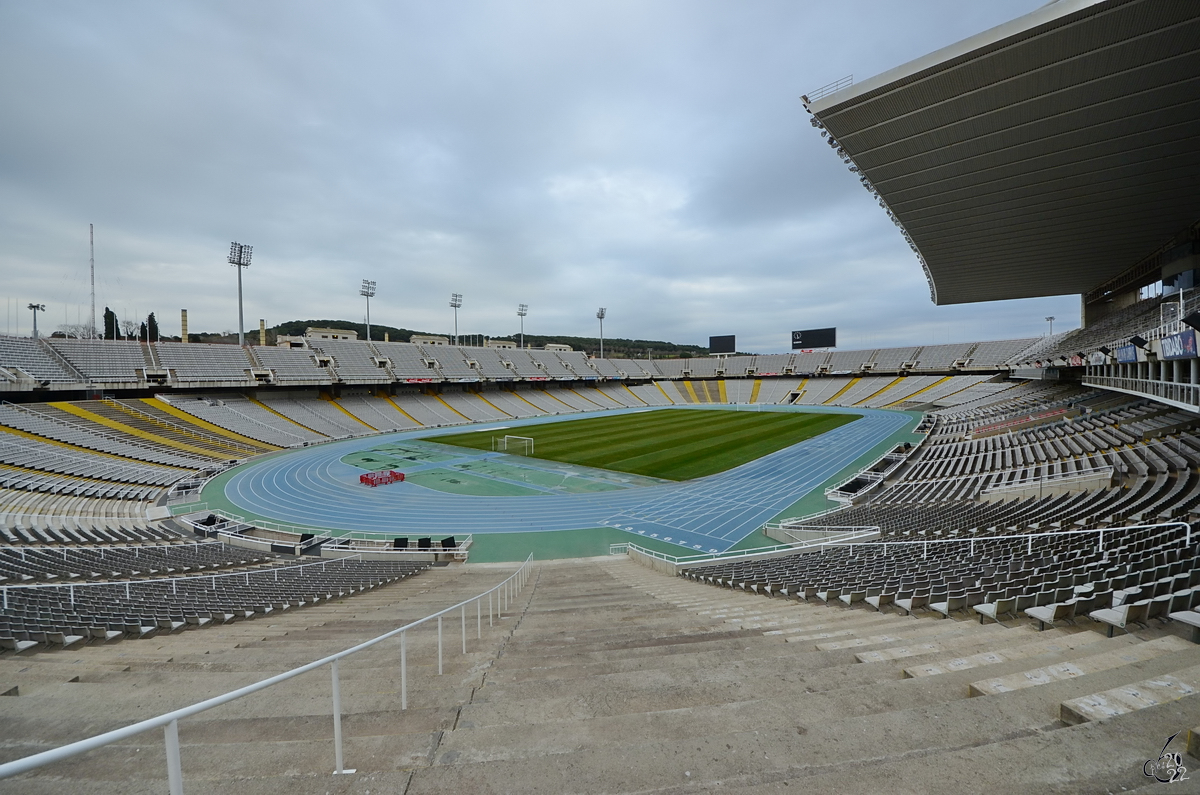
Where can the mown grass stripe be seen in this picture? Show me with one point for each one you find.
(679, 444)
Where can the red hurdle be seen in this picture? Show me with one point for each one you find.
(381, 478)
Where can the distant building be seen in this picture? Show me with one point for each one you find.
(554, 346)
(500, 344)
(330, 334)
(285, 341)
(428, 339)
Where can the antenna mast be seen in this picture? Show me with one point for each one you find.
(92, 265)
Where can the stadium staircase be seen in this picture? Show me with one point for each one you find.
(606, 676)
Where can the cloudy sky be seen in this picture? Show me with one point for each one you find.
(652, 157)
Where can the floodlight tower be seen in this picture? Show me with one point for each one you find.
(368, 291)
(522, 311)
(239, 257)
(1050, 320)
(600, 313)
(455, 304)
(92, 267)
(36, 308)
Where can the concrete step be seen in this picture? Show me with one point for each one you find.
(932, 629)
(1181, 684)
(1101, 757)
(937, 648)
(1082, 666)
(1017, 652)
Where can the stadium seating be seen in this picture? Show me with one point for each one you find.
(194, 363)
(30, 420)
(354, 362)
(62, 598)
(104, 361)
(317, 415)
(22, 355)
(289, 366)
(246, 417)
(407, 361)
(379, 413)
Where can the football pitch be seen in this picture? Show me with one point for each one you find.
(673, 444)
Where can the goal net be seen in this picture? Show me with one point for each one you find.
(521, 445)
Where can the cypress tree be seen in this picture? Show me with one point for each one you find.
(110, 324)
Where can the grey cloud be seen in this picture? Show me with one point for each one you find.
(652, 157)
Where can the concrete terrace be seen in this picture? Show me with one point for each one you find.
(608, 677)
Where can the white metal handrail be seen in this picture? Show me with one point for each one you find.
(98, 431)
(1029, 538)
(342, 542)
(721, 557)
(137, 548)
(1050, 480)
(866, 472)
(174, 581)
(169, 721)
(214, 439)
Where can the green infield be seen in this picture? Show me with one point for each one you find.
(675, 444)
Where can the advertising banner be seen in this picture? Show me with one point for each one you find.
(1179, 346)
(1127, 354)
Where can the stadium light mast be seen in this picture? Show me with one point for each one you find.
(600, 313)
(1050, 320)
(92, 267)
(239, 257)
(368, 291)
(522, 311)
(36, 308)
(455, 304)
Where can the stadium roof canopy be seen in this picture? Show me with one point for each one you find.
(1042, 157)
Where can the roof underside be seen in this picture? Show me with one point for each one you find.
(1040, 158)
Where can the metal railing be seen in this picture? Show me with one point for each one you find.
(1050, 480)
(213, 439)
(1184, 395)
(224, 529)
(1029, 537)
(502, 594)
(847, 535)
(101, 432)
(136, 548)
(829, 88)
(174, 581)
(868, 473)
(888, 546)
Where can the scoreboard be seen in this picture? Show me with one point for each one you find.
(814, 338)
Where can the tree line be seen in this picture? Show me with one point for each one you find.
(615, 347)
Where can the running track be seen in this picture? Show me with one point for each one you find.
(313, 487)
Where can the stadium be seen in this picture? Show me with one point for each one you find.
(352, 565)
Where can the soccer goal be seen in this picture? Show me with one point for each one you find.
(521, 445)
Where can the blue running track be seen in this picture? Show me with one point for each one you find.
(312, 487)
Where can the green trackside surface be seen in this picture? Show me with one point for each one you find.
(679, 444)
(394, 455)
(555, 544)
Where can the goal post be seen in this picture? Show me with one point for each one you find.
(511, 443)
